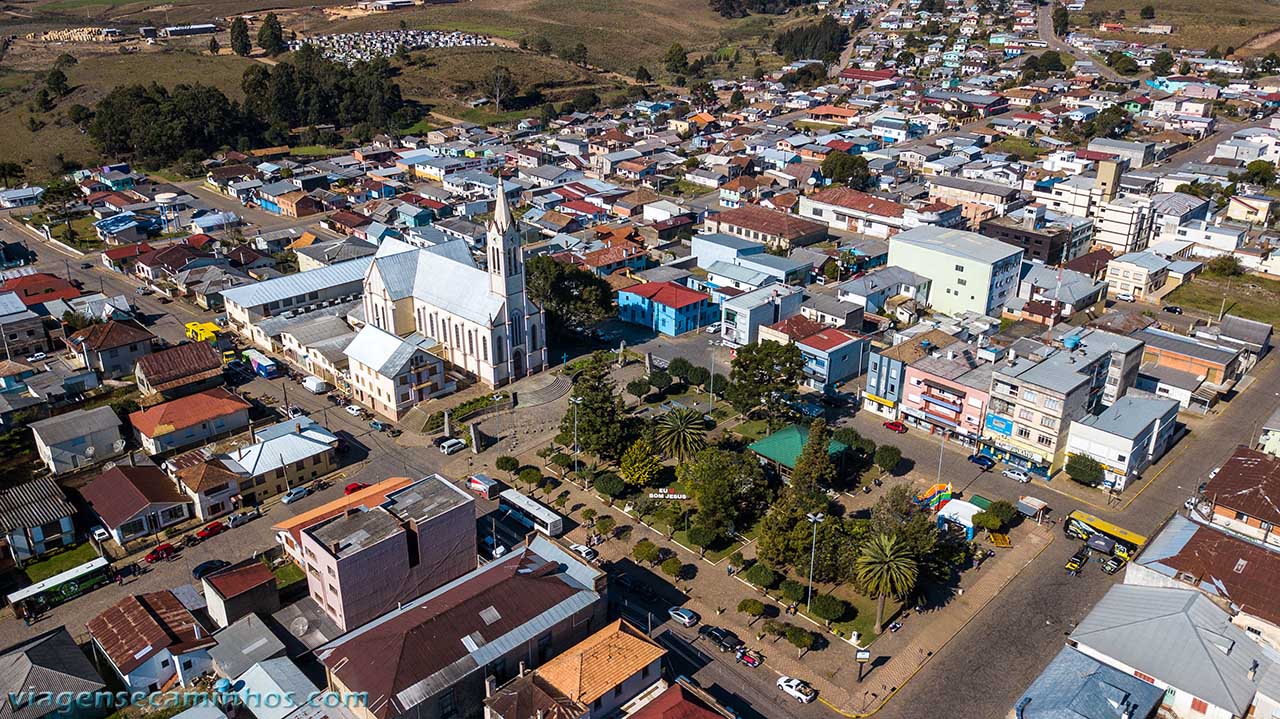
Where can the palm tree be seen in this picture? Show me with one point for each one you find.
(886, 568)
(681, 433)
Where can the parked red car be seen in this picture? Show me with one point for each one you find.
(161, 552)
(896, 426)
(354, 487)
(213, 529)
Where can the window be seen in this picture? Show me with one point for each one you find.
(1052, 403)
(1029, 396)
(1025, 414)
(1199, 706)
(447, 704)
(959, 268)
(1144, 677)
(1241, 517)
(1045, 440)
(961, 282)
(186, 664)
(1048, 422)
(1024, 433)
(164, 663)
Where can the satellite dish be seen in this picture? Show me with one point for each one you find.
(239, 684)
(299, 626)
(90, 451)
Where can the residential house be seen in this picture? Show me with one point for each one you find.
(179, 371)
(1076, 686)
(742, 316)
(665, 307)
(886, 370)
(1140, 274)
(1235, 574)
(240, 591)
(112, 348)
(35, 518)
(244, 643)
(846, 209)
(135, 501)
(616, 669)
(525, 608)
(190, 421)
(39, 287)
(832, 357)
(1239, 494)
(1050, 295)
(1180, 642)
(390, 375)
(44, 666)
(79, 438)
(151, 640)
(776, 230)
(874, 290)
(368, 561)
(21, 328)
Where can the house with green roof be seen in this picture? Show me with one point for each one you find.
(782, 448)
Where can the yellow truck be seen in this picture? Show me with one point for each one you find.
(214, 335)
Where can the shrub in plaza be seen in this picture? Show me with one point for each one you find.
(671, 567)
(888, 457)
(645, 551)
(792, 590)
(753, 608)
(610, 485)
(761, 576)
(800, 638)
(507, 463)
(828, 608)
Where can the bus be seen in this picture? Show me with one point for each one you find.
(63, 587)
(1086, 526)
(531, 513)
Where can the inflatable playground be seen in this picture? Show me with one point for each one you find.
(939, 498)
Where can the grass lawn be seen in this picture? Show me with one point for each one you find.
(288, 574)
(1022, 147)
(60, 562)
(314, 151)
(864, 619)
(714, 553)
(752, 429)
(684, 188)
(1248, 296)
(82, 227)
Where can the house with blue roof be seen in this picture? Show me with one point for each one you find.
(1077, 686)
(124, 228)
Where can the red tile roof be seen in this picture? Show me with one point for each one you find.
(120, 493)
(1245, 574)
(1248, 482)
(190, 362)
(675, 703)
(619, 251)
(138, 627)
(797, 326)
(238, 580)
(668, 294)
(109, 335)
(770, 222)
(828, 339)
(861, 201)
(40, 287)
(187, 412)
(125, 252)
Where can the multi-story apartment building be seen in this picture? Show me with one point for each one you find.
(367, 560)
(742, 317)
(969, 272)
(947, 392)
(1045, 235)
(1141, 274)
(886, 370)
(1124, 224)
(1038, 390)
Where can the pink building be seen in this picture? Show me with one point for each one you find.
(947, 391)
(364, 562)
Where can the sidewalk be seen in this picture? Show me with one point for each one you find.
(714, 594)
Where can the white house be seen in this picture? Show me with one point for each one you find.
(149, 638)
(968, 272)
(79, 438)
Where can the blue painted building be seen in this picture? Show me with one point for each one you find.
(665, 307)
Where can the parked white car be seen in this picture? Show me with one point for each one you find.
(798, 689)
(1126, 297)
(713, 328)
(1017, 475)
(452, 446)
(353, 410)
(585, 552)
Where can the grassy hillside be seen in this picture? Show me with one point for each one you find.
(90, 79)
(1196, 23)
(619, 35)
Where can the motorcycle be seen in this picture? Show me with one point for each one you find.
(749, 657)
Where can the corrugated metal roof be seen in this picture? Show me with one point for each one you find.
(299, 283)
(32, 504)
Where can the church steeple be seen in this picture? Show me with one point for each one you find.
(506, 273)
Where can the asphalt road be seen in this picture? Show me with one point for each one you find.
(1044, 26)
(990, 662)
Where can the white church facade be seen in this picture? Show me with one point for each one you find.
(482, 319)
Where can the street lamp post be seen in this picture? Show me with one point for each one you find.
(711, 384)
(575, 401)
(815, 520)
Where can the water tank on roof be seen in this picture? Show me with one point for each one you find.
(1071, 342)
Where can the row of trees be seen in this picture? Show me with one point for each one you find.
(812, 40)
(270, 37)
(156, 125)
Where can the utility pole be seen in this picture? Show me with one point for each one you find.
(575, 401)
